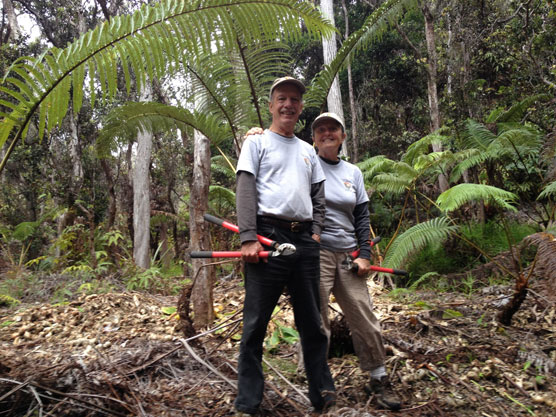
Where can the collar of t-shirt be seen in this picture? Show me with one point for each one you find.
(329, 161)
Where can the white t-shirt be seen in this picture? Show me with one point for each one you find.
(284, 168)
(344, 189)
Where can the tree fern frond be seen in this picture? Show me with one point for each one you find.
(391, 183)
(383, 174)
(221, 164)
(433, 160)
(517, 111)
(221, 197)
(126, 121)
(273, 19)
(377, 165)
(476, 135)
(462, 194)
(549, 191)
(415, 239)
(422, 146)
(374, 164)
(466, 159)
(522, 139)
(373, 27)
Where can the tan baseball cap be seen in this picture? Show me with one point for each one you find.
(290, 80)
(328, 116)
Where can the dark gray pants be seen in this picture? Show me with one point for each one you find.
(264, 283)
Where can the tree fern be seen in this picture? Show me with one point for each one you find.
(416, 238)
(135, 41)
(462, 194)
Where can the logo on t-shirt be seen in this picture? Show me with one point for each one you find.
(349, 186)
(307, 162)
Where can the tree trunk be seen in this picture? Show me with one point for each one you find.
(111, 210)
(127, 197)
(352, 107)
(329, 50)
(165, 252)
(203, 277)
(141, 193)
(432, 76)
(75, 153)
(12, 32)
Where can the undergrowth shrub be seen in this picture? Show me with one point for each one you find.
(456, 256)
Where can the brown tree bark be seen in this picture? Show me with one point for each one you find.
(11, 33)
(203, 276)
(432, 80)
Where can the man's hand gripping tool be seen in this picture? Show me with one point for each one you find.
(280, 249)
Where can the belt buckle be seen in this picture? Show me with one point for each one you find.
(295, 227)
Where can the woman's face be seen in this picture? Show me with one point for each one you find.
(328, 136)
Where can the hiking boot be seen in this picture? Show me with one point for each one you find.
(384, 393)
(328, 404)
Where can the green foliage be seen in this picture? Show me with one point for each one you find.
(375, 25)
(492, 237)
(432, 260)
(146, 44)
(127, 120)
(451, 314)
(549, 191)
(461, 194)
(8, 301)
(281, 334)
(416, 238)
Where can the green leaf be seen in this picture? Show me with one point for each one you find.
(451, 314)
(168, 310)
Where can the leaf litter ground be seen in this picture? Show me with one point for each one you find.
(125, 354)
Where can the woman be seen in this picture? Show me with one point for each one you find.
(346, 227)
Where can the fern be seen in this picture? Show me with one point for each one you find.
(517, 111)
(422, 146)
(222, 165)
(549, 191)
(222, 197)
(416, 238)
(135, 41)
(462, 194)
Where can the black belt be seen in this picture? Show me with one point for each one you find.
(295, 227)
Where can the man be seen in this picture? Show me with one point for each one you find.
(280, 195)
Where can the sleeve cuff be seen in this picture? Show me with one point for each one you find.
(316, 229)
(248, 235)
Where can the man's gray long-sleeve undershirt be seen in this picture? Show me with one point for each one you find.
(246, 205)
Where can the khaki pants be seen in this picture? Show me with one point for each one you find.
(352, 295)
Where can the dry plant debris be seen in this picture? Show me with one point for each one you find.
(122, 354)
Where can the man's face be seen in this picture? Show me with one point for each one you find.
(328, 136)
(286, 104)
